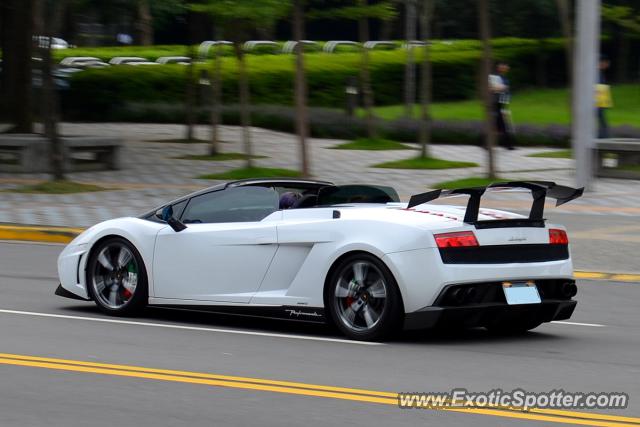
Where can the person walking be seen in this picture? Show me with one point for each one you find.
(500, 88)
(603, 98)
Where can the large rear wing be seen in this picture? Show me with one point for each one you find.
(540, 190)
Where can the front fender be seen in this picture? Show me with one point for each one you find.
(73, 259)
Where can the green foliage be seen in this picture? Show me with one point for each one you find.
(562, 154)
(57, 187)
(624, 16)
(455, 70)
(425, 163)
(262, 11)
(106, 53)
(469, 182)
(377, 144)
(531, 106)
(383, 11)
(238, 17)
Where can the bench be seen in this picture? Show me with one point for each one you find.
(31, 153)
(617, 158)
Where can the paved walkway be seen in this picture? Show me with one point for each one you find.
(153, 175)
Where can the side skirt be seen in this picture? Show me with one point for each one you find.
(285, 312)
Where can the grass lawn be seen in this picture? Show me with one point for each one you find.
(475, 181)
(533, 106)
(562, 154)
(372, 144)
(255, 172)
(425, 163)
(57, 187)
(633, 168)
(220, 157)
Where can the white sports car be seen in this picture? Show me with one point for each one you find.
(352, 255)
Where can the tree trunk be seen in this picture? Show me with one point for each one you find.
(410, 67)
(302, 118)
(245, 114)
(190, 98)
(425, 93)
(39, 10)
(216, 100)
(145, 23)
(16, 77)
(190, 95)
(564, 12)
(489, 120)
(49, 101)
(365, 75)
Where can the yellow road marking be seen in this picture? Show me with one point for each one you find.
(589, 275)
(39, 234)
(312, 390)
(625, 277)
(616, 277)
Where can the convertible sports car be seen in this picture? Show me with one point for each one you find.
(352, 255)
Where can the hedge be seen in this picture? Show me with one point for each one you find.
(99, 93)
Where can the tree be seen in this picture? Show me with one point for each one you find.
(237, 19)
(216, 99)
(302, 120)
(489, 122)
(564, 13)
(190, 87)
(425, 93)
(49, 98)
(361, 12)
(626, 22)
(410, 67)
(145, 23)
(17, 43)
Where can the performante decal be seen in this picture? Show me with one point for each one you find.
(297, 313)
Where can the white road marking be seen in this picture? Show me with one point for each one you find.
(594, 325)
(190, 328)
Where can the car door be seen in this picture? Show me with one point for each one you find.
(225, 251)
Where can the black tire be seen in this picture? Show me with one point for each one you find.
(376, 316)
(114, 291)
(516, 327)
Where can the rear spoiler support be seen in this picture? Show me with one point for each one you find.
(540, 190)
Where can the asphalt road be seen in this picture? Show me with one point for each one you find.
(597, 352)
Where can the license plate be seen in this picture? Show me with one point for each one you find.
(521, 293)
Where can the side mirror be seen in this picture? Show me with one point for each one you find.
(166, 214)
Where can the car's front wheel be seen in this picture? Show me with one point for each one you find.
(116, 277)
(362, 298)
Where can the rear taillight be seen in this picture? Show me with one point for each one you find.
(456, 240)
(558, 237)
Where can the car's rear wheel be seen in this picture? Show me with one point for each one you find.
(363, 298)
(117, 278)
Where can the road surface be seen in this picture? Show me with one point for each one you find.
(174, 368)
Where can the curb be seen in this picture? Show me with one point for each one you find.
(39, 234)
(44, 234)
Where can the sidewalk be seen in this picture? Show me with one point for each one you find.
(152, 175)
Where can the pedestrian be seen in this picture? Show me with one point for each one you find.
(603, 97)
(500, 88)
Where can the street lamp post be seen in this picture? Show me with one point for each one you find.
(587, 49)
